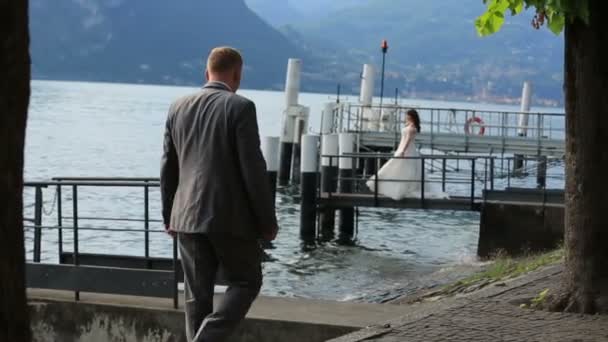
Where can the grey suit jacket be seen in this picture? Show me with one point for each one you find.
(213, 176)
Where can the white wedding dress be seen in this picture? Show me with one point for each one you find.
(401, 178)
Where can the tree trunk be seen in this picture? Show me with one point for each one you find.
(585, 284)
(14, 99)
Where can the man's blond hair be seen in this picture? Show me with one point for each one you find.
(223, 59)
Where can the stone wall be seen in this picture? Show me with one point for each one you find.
(517, 228)
(66, 321)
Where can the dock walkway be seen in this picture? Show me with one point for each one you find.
(463, 143)
(452, 130)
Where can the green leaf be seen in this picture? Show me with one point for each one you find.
(492, 20)
(516, 6)
(558, 11)
(500, 6)
(556, 23)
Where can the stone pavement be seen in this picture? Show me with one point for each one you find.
(492, 314)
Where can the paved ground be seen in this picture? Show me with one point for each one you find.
(492, 314)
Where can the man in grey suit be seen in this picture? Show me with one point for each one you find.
(216, 197)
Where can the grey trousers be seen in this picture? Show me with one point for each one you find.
(240, 260)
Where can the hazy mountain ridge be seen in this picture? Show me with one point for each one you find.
(434, 48)
(152, 41)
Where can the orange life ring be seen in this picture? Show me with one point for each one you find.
(477, 121)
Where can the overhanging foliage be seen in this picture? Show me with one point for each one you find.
(553, 12)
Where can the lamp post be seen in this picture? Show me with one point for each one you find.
(384, 47)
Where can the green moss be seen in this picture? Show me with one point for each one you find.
(540, 299)
(504, 268)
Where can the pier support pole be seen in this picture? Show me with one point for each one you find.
(370, 117)
(270, 150)
(367, 85)
(308, 188)
(347, 215)
(524, 119)
(328, 118)
(292, 92)
(329, 183)
(297, 145)
(285, 162)
(541, 172)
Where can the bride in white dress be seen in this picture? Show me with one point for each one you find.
(401, 177)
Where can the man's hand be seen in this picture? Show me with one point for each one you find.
(271, 234)
(170, 231)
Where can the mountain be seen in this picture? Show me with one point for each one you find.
(288, 12)
(434, 49)
(277, 13)
(322, 7)
(152, 41)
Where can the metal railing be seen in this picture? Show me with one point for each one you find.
(105, 273)
(465, 179)
(349, 117)
(541, 166)
(465, 187)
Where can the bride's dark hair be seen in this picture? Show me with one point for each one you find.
(415, 118)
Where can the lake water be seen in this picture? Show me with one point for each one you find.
(98, 129)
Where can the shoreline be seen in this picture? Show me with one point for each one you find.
(496, 273)
(457, 280)
(426, 283)
(440, 97)
(498, 304)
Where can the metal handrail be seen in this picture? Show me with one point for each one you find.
(83, 182)
(457, 109)
(91, 183)
(95, 229)
(117, 179)
(443, 117)
(487, 180)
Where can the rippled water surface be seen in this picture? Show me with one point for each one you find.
(96, 129)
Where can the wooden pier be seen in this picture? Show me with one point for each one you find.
(342, 187)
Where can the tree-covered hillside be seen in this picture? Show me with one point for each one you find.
(434, 48)
(152, 41)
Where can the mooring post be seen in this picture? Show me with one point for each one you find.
(270, 150)
(524, 119)
(368, 115)
(308, 187)
(347, 215)
(328, 118)
(293, 114)
(329, 182)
